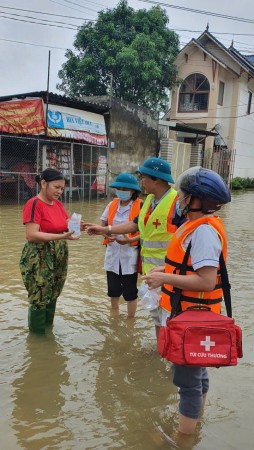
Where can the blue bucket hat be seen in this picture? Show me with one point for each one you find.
(125, 180)
(158, 168)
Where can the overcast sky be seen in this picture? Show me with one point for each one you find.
(25, 46)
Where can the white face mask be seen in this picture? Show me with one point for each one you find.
(180, 211)
(123, 195)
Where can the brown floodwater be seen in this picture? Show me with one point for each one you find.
(95, 381)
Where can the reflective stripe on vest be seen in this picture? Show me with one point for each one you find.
(173, 261)
(134, 212)
(151, 244)
(153, 261)
(156, 233)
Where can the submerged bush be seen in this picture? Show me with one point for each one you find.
(243, 183)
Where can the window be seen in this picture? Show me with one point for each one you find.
(194, 93)
(221, 93)
(249, 103)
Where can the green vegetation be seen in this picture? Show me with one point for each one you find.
(243, 183)
(126, 53)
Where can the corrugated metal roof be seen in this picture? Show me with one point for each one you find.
(193, 130)
(61, 100)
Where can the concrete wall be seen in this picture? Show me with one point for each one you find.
(178, 154)
(133, 135)
(244, 135)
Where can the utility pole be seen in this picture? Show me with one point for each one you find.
(47, 100)
(110, 91)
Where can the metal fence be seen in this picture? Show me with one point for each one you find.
(21, 158)
(222, 160)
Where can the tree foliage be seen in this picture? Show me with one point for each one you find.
(126, 52)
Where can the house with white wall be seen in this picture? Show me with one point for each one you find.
(215, 94)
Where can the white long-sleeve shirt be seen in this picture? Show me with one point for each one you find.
(117, 254)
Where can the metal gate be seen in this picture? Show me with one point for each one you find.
(21, 158)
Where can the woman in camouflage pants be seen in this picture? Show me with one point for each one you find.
(44, 258)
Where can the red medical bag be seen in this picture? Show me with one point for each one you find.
(201, 338)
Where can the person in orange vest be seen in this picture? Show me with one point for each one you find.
(156, 222)
(121, 260)
(201, 193)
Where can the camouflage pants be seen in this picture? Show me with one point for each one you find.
(44, 269)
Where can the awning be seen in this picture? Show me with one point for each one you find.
(176, 126)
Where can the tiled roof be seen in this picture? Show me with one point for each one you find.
(208, 51)
(235, 54)
(250, 58)
(241, 59)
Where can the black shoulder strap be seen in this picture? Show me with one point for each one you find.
(176, 298)
(225, 286)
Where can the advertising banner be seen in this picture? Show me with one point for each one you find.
(76, 124)
(22, 117)
(101, 172)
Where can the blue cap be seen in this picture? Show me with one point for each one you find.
(158, 168)
(125, 180)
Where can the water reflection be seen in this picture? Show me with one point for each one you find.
(38, 394)
(128, 389)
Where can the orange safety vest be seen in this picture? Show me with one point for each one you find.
(134, 212)
(174, 259)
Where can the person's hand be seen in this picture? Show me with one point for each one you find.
(111, 238)
(157, 269)
(84, 225)
(68, 235)
(95, 229)
(123, 240)
(154, 280)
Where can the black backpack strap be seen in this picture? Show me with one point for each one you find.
(176, 297)
(225, 286)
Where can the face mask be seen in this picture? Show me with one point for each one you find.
(123, 195)
(181, 211)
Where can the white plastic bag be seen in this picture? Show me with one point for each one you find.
(149, 298)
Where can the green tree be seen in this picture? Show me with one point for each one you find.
(132, 51)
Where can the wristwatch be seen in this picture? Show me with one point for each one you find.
(109, 229)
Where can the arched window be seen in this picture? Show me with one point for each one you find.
(194, 93)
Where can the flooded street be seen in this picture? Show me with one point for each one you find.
(95, 381)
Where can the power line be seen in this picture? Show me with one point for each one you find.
(69, 7)
(246, 143)
(38, 23)
(42, 12)
(31, 43)
(77, 4)
(222, 39)
(212, 32)
(212, 117)
(82, 19)
(199, 11)
(35, 18)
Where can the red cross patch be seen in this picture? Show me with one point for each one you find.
(156, 223)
